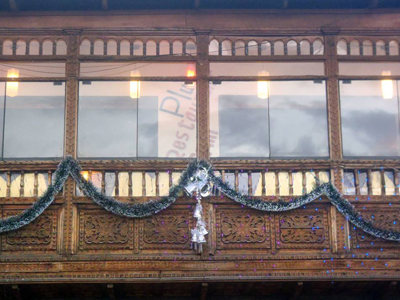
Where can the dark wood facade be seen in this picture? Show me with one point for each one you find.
(77, 241)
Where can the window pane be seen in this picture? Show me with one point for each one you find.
(370, 123)
(298, 119)
(291, 122)
(34, 120)
(137, 119)
(167, 119)
(239, 120)
(32, 69)
(139, 69)
(373, 69)
(270, 69)
(106, 120)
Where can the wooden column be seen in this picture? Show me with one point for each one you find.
(71, 107)
(339, 225)
(203, 107)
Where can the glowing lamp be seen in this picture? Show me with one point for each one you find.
(190, 72)
(12, 86)
(387, 86)
(134, 85)
(85, 175)
(263, 86)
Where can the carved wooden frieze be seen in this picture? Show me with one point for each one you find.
(242, 229)
(40, 235)
(99, 229)
(381, 218)
(167, 230)
(302, 229)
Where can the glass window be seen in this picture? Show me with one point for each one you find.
(268, 119)
(369, 68)
(32, 69)
(298, 119)
(135, 69)
(267, 69)
(137, 119)
(370, 118)
(34, 120)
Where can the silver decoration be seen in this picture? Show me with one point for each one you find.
(199, 183)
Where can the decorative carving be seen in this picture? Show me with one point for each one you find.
(39, 235)
(387, 219)
(238, 228)
(170, 229)
(102, 230)
(302, 229)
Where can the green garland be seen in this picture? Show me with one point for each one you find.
(69, 166)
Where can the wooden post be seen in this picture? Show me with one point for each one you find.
(202, 69)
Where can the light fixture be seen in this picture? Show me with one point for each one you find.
(134, 85)
(263, 86)
(190, 72)
(85, 175)
(387, 86)
(12, 86)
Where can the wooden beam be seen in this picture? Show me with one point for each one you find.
(111, 292)
(285, 4)
(13, 5)
(104, 4)
(197, 4)
(204, 289)
(297, 291)
(16, 292)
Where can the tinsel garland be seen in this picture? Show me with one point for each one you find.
(69, 166)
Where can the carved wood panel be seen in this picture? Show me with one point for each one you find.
(302, 229)
(240, 228)
(169, 229)
(388, 219)
(101, 230)
(40, 235)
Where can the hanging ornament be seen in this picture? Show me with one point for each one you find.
(200, 184)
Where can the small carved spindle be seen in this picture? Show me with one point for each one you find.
(22, 184)
(49, 178)
(277, 191)
(8, 183)
(130, 190)
(396, 183)
(223, 175)
(290, 182)
(383, 184)
(263, 187)
(304, 179)
(236, 180)
(116, 183)
(35, 184)
(169, 179)
(369, 182)
(250, 183)
(143, 183)
(157, 184)
(103, 182)
(357, 182)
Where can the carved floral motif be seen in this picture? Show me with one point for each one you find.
(100, 230)
(304, 229)
(388, 220)
(238, 229)
(39, 235)
(166, 229)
